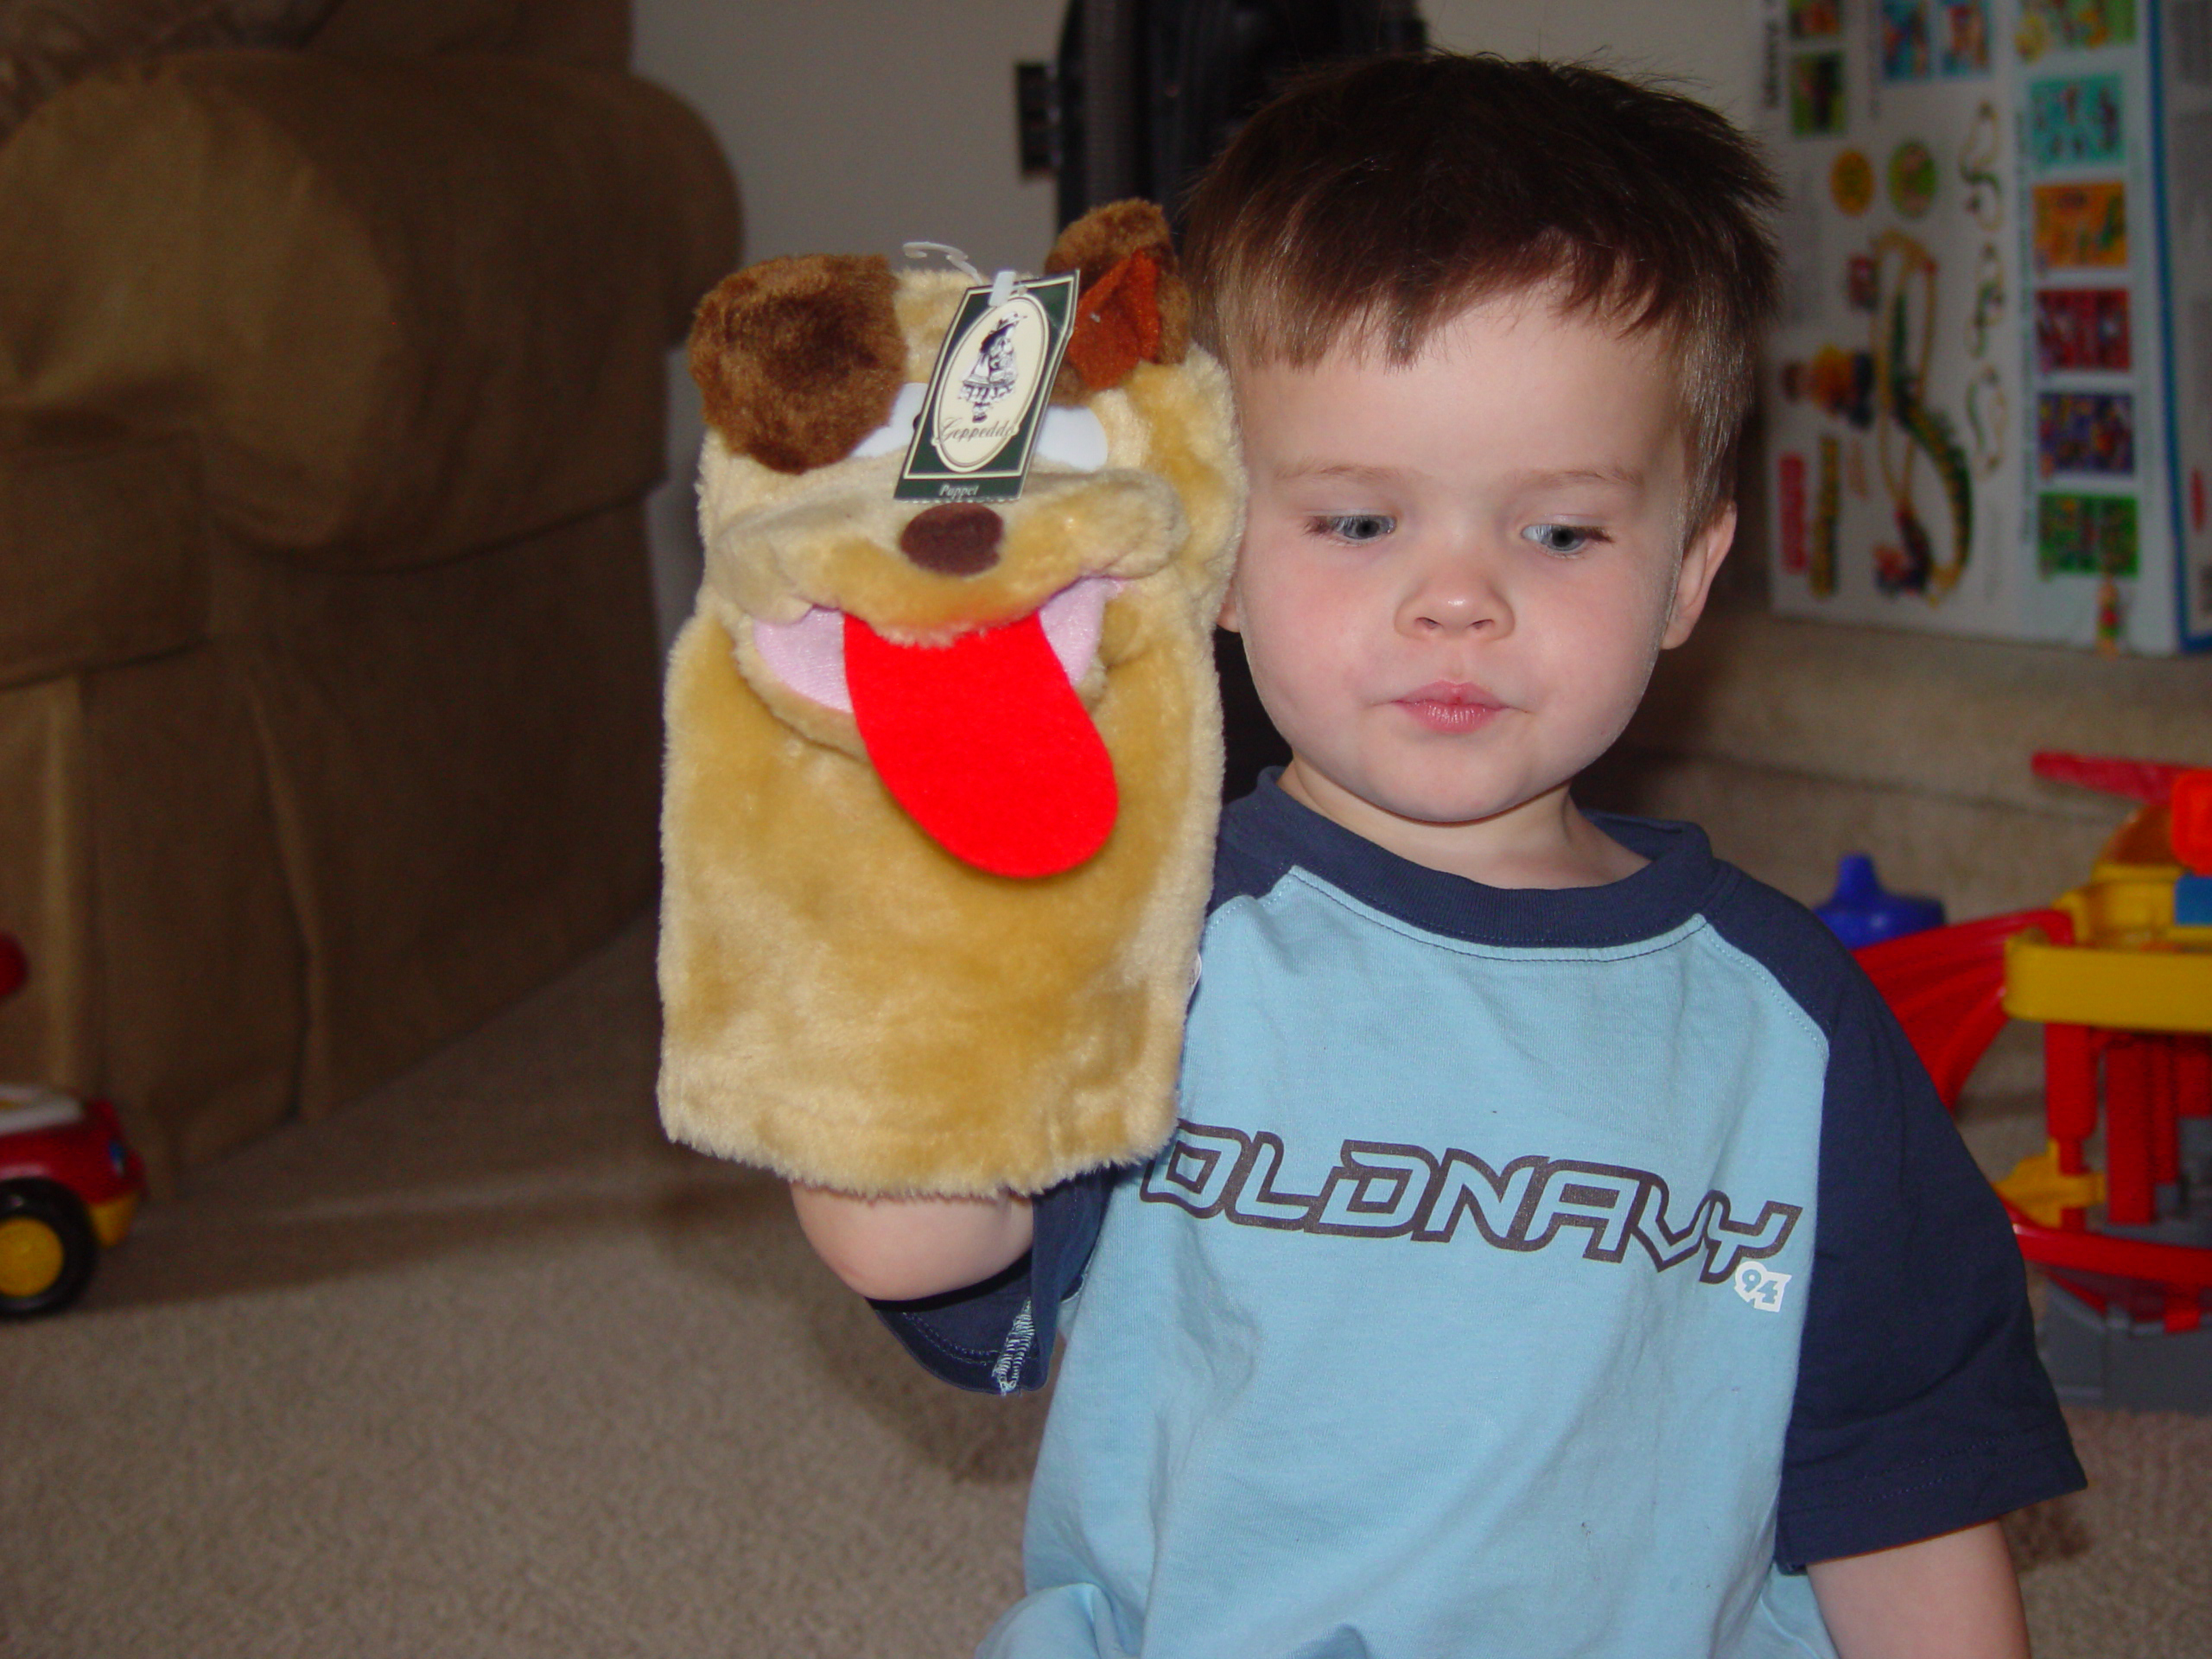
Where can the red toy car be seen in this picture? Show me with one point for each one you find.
(69, 1184)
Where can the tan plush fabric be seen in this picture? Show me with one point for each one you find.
(848, 1004)
(1106, 247)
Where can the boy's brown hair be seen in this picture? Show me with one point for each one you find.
(1378, 202)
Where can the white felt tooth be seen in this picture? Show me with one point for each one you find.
(1073, 437)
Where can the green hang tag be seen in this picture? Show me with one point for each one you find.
(987, 393)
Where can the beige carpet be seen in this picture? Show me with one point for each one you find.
(481, 1367)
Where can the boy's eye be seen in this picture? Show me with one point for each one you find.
(1563, 539)
(1353, 527)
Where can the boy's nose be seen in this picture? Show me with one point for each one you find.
(1456, 598)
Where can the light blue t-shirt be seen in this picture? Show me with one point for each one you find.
(1450, 1323)
(1530, 1271)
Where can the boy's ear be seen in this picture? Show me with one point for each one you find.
(1694, 577)
(1232, 618)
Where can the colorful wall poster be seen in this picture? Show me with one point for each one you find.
(1983, 408)
(2074, 26)
(1963, 42)
(1851, 183)
(1816, 103)
(1922, 39)
(1790, 500)
(1904, 44)
(2081, 328)
(2085, 432)
(1815, 20)
(2087, 535)
(2075, 121)
(1914, 179)
(2080, 226)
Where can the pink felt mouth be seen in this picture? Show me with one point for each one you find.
(809, 655)
(981, 739)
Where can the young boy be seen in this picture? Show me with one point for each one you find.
(1562, 1248)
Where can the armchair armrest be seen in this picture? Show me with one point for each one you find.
(405, 305)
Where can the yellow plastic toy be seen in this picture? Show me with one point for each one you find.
(2141, 954)
(2119, 973)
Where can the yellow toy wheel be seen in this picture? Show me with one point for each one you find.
(31, 1257)
(47, 1249)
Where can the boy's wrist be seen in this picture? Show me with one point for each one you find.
(900, 1250)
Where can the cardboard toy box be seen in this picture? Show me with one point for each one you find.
(1989, 402)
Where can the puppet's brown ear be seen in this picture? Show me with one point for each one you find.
(798, 359)
(1132, 304)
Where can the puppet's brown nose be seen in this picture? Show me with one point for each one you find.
(954, 538)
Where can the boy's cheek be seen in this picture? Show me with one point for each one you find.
(1255, 556)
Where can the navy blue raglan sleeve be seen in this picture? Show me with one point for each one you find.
(996, 1338)
(1920, 1404)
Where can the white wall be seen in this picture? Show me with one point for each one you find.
(855, 124)
(852, 125)
(1704, 44)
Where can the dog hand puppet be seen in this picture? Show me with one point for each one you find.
(943, 778)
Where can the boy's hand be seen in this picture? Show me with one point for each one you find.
(897, 1250)
(1952, 1596)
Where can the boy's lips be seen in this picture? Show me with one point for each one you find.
(1451, 706)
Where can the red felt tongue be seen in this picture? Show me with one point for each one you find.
(986, 745)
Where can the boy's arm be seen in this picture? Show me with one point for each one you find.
(902, 1250)
(1950, 1596)
(1921, 1407)
(994, 1334)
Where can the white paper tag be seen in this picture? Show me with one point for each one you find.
(987, 396)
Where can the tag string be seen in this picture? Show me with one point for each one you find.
(952, 256)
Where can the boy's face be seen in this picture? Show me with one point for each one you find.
(1457, 574)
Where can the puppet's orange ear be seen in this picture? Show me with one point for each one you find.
(798, 359)
(1117, 322)
(1132, 306)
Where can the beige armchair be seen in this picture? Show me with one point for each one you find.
(331, 385)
